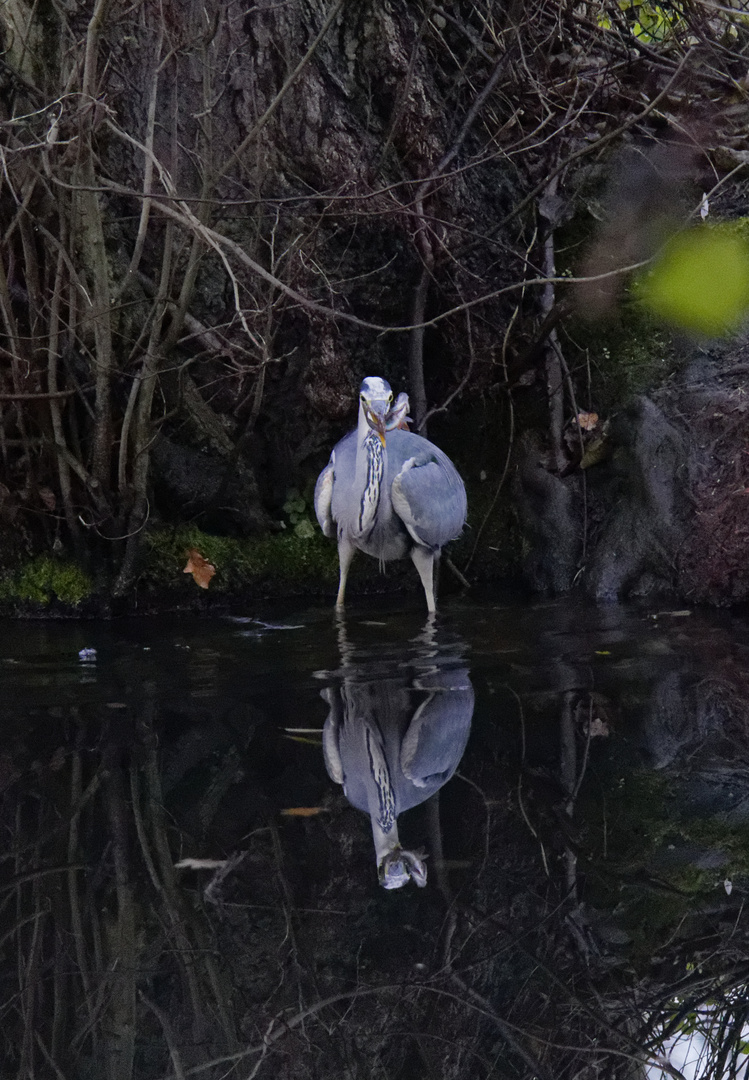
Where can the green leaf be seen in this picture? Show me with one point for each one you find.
(653, 25)
(700, 283)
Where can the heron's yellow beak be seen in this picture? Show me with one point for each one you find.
(376, 413)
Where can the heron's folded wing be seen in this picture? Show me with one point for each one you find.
(436, 737)
(430, 499)
(324, 499)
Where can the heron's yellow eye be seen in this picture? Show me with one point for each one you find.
(390, 397)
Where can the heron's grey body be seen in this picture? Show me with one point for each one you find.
(389, 493)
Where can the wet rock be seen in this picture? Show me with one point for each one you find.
(634, 554)
(712, 398)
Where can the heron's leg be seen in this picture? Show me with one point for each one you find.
(423, 560)
(345, 554)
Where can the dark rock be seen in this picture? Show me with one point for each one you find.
(221, 491)
(634, 554)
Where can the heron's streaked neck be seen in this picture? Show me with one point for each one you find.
(370, 469)
(384, 842)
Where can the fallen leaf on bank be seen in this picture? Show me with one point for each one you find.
(587, 420)
(201, 570)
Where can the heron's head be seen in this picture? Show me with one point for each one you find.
(376, 397)
(399, 867)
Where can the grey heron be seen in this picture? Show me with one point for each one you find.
(389, 492)
(392, 741)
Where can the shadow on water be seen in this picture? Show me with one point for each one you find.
(188, 810)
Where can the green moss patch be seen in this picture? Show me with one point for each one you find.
(46, 578)
(281, 562)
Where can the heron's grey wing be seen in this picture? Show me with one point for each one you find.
(433, 745)
(324, 498)
(429, 498)
(344, 503)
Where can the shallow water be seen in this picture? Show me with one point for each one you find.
(555, 795)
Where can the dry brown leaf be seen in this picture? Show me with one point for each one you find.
(587, 420)
(302, 811)
(201, 570)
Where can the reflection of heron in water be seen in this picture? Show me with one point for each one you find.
(395, 734)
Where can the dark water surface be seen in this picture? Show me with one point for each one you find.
(195, 814)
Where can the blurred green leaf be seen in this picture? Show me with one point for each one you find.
(700, 283)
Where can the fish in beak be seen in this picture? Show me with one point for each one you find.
(398, 419)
